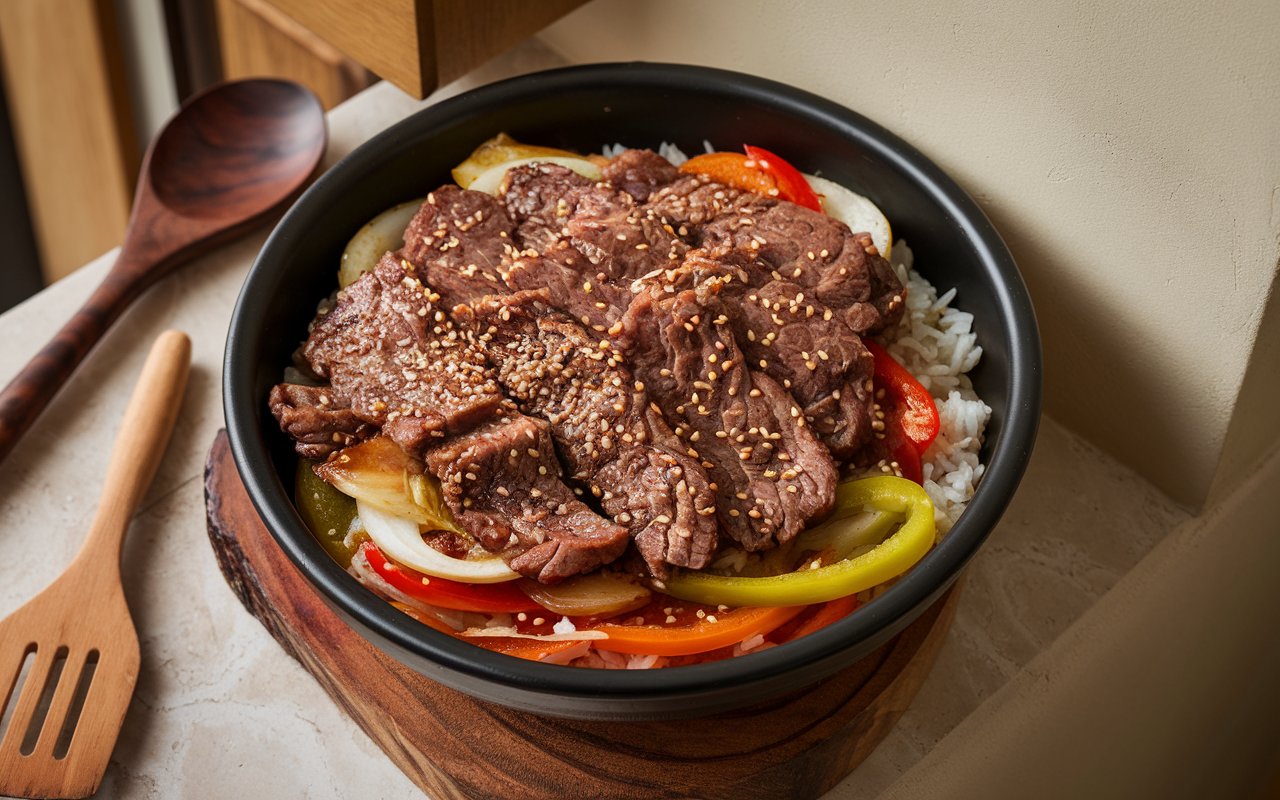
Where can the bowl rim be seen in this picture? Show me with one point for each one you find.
(907, 598)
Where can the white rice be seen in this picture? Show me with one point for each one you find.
(936, 343)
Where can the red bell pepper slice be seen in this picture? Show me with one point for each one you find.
(488, 597)
(914, 408)
(821, 616)
(791, 184)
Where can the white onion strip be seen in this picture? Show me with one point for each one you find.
(399, 539)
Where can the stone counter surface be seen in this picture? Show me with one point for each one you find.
(221, 711)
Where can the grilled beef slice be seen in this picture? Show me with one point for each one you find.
(611, 438)
(461, 244)
(390, 354)
(639, 173)
(772, 476)
(537, 198)
(783, 241)
(619, 240)
(575, 285)
(396, 362)
(315, 422)
(503, 484)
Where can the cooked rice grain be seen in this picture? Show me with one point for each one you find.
(936, 343)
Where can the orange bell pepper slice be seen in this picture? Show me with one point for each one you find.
(731, 169)
(726, 630)
(757, 171)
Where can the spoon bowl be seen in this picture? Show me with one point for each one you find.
(199, 161)
(230, 157)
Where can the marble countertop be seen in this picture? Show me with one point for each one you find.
(221, 711)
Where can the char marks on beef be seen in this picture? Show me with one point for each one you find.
(461, 244)
(503, 485)
(772, 476)
(612, 439)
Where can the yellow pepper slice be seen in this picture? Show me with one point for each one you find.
(889, 559)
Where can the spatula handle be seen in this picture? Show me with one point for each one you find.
(140, 444)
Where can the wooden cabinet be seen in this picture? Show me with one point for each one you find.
(257, 38)
(421, 44)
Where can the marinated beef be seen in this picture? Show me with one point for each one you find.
(622, 242)
(618, 239)
(611, 438)
(639, 173)
(783, 241)
(575, 285)
(688, 390)
(396, 363)
(461, 244)
(391, 356)
(537, 199)
(771, 475)
(316, 422)
(503, 485)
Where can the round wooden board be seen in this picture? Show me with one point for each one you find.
(454, 746)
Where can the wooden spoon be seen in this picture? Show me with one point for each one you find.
(76, 638)
(225, 161)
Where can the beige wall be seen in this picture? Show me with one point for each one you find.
(1128, 152)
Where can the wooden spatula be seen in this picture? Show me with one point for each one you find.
(69, 658)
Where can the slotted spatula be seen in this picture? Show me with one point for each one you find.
(69, 658)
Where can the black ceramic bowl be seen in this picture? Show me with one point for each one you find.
(641, 105)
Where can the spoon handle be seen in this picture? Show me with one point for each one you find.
(30, 391)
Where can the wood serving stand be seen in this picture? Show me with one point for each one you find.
(454, 746)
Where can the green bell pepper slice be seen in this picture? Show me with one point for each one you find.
(888, 494)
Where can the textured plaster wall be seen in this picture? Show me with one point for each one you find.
(1128, 152)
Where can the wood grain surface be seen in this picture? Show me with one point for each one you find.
(257, 39)
(454, 746)
(421, 44)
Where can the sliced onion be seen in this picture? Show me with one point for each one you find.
(490, 180)
(854, 210)
(401, 540)
(379, 473)
(380, 234)
(598, 594)
(499, 150)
